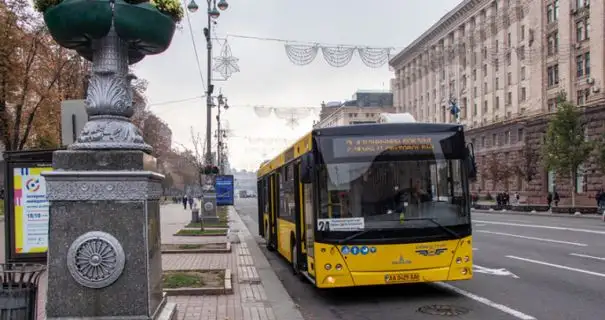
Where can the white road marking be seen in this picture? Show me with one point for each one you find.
(479, 224)
(515, 313)
(533, 238)
(495, 272)
(542, 227)
(559, 266)
(475, 249)
(586, 256)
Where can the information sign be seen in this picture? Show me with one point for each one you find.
(224, 187)
(31, 209)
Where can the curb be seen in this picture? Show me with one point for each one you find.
(185, 251)
(550, 215)
(282, 304)
(207, 228)
(227, 287)
(222, 234)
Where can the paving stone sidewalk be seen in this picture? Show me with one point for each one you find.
(249, 300)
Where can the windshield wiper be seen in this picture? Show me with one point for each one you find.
(358, 234)
(444, 228)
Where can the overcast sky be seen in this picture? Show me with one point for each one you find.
(267, 76)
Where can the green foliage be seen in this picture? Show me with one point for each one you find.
(600, 153)
(172, 8)
(565, 147)
(43, 5)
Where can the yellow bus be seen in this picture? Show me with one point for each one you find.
(371, 204)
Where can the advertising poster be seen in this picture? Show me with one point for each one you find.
(31, 210)
(224, 190)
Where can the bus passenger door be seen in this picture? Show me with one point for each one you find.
(261, 202)
(299, 219)
(308, 227)
(272, 223)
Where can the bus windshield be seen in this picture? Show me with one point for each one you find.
(385, 193)
(412, 188)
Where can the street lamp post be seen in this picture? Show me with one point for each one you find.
(220, 133)
(209, 212)
(213, 14)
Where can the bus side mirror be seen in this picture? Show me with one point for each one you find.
(306, 168)
(471, 164)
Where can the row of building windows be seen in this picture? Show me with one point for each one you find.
(499, 139)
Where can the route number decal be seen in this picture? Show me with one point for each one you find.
(342, 224)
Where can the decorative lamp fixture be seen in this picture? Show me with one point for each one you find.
(192, 6)
(223, 5)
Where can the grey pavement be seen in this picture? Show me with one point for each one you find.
(526, 267)
(252, 299)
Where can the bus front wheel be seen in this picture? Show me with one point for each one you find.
(294, 259)
(268, 238)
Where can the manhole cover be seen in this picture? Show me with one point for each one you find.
(443, 310)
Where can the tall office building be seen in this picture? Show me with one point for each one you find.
(505, 62)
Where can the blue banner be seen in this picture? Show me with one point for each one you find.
(224, 190)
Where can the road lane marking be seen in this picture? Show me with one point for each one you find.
(533, 238)
(559, 266)
(479, 224)
(495, 272)
(475, 249)
(542, 227)
(515, 313)
(586, 256)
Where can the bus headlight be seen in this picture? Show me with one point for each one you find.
(466, 258)
(339, 267)
(464, 271)
(458, 260)
(328, 266)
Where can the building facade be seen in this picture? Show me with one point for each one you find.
(364, 107)
(505, 62)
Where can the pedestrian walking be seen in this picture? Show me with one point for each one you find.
(185, 202)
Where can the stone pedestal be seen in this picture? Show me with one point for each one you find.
(209, 212)
(195, 215)
(104, 237)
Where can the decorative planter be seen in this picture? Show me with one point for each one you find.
(143, 27)
(74, 24)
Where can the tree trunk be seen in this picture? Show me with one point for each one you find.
(573, 188)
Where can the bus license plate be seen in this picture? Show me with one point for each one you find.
(402, 277)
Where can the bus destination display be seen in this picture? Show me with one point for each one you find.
(363, 146)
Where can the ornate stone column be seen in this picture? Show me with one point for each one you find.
(104, 258)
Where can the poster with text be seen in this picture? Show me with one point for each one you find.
(224, 190)
(31, 210)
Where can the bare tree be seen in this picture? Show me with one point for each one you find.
(197, 157)
(526, 164)
(496, 170)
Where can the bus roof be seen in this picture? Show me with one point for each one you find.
(304, 144)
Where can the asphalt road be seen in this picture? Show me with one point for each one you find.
(526, 267)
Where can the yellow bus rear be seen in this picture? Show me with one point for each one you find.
(312, 209)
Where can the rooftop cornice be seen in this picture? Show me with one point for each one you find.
(453, 17)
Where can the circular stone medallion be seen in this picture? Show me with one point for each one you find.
(96, 259)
